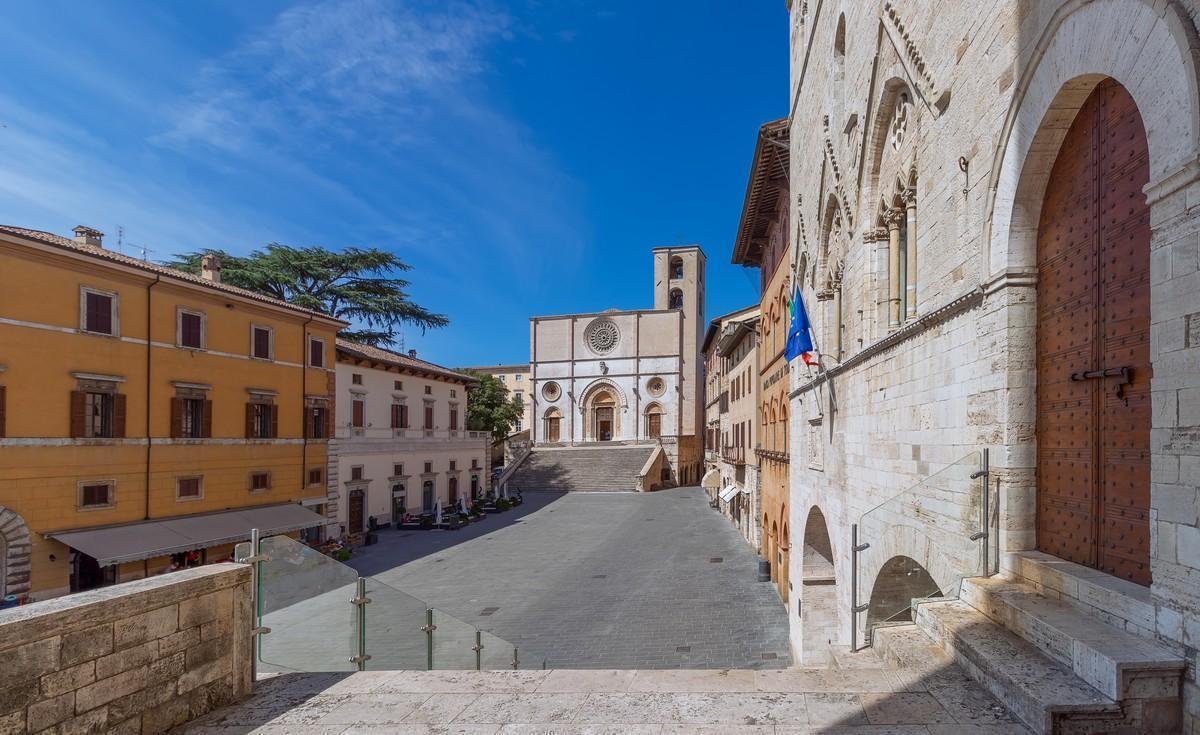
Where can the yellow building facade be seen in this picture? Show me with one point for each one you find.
(131, 395)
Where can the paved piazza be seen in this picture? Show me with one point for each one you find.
(866, 700)
(598, 580)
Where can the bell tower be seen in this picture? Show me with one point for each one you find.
(679, 284)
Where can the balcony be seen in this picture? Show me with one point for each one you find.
(733, 455)
(377, 433)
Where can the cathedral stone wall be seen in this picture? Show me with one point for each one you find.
(939, 123)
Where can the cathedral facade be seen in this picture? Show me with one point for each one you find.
(627, 377)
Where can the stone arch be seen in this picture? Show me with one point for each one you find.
(900, 580)
(819, 621)
(1151, 55)
(894, 86)
(653, 409)
(552, 425)
(676, 267)
(675, 299)
(595, 395)
(907, 541)
(15, 553)
(1148, 48)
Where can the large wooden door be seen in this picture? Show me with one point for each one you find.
(356, 511)
(1093, 343)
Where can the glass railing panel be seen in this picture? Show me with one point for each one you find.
(395, 629)
(497, 653)
(939, 520)
(304, 597)
(453, 642)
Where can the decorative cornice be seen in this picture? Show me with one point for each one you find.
(935, 99)
(839, 190)
(966, 302)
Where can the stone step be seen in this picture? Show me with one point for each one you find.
(1118, 664)
(1041, 692)
(587, 469)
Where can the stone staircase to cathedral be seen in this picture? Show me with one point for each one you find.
(612, 468)
(1056, 644)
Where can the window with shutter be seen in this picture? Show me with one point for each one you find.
(358, 418)
(98, 308)
(429, 416)
(260, 342)
(316, 353)
(191, 330)
(2, 411)
(96, 494)
(396, 424)
(317, 422)
(261, 421)
(314, 476)
(260, 481)
(189, 488)
(454, 419)
(356, 473)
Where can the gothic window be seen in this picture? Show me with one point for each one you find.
(900, 116)
(676, 299)
(899, 220)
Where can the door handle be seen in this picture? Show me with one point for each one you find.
(1125, 373)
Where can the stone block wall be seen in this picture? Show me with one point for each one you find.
(140, 657)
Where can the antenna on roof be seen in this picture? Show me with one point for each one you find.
(120, 238)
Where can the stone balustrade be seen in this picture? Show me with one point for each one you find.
(140, 657)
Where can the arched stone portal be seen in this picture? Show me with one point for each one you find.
(602, 406)
(901, 580)
(15, 553)
(1150, 53)
(818, 592)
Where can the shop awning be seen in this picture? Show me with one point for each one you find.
(147, 539)
(729, 492)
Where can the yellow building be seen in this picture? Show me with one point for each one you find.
(148, 417)
(763, 242)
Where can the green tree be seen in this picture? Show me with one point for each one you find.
(355, 284)
(489, 407)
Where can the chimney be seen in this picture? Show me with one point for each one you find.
(210, 268)
(88, 236)
(412, 354)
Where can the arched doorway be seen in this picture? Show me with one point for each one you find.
(654, 414)
(14, 555)
(774, 557)
(901, 580)
(603, 416)
(1093, 342)
(552, 423)
(818, 591)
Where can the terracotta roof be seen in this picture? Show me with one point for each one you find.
(49, 238)
(395, 359)
(768, 177)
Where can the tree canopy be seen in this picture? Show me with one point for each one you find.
(490, 408)
(358, 285)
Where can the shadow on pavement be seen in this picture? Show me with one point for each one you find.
(398, 547)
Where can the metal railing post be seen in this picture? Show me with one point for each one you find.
(429, 628)
(855, 608)
(984, 532)
(255, 561)
(516, 659)
(360, 602)
(478, 650)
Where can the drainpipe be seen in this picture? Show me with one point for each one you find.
(304, 405)
(149, 362)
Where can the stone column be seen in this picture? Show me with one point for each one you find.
(910, 242)
(893, 224)
(835, 348)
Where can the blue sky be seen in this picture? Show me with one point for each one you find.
(523, 156)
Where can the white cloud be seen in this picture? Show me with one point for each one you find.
(333, 66)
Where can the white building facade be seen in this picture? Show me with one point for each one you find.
(400, 442)
(627, 376)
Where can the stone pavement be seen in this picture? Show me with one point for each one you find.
(865, 700)
(612, 580)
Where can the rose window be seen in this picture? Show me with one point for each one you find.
(602, 336)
